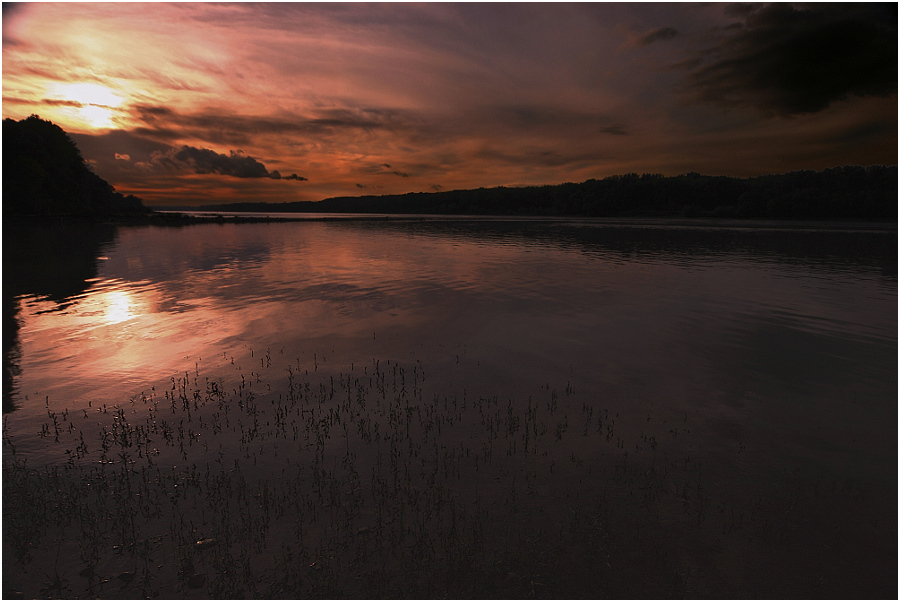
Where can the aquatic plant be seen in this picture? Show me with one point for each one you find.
(294, 480)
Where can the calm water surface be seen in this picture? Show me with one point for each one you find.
(772, 351)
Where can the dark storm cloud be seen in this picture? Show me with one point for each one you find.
(237, 130)
(789, 60)
(118, 153)
(543, 158)
(503, 119)
(205, 161)
(10, 8)
(151, 112)
(46, 101)
(118, 141)
(614, 130)
(323, 120)
(343, 126)
(10, 11)
(383, 169)
(657, 35)
(741, 9)
(61, 103)
(865, 133)
(235, 164)
(159, 133)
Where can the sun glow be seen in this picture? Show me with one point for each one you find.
(118, 307)
(93, 105)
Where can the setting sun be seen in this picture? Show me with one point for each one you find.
(384, 99)
(466, 300)
(90, 104)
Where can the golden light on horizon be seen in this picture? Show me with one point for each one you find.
(372, 99)
(92, 105)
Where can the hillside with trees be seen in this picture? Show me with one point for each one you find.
(45, 175)
(840, 193)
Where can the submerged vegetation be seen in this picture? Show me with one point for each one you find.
(260, 475)
(299, 478)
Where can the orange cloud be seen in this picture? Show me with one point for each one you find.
(451, 96)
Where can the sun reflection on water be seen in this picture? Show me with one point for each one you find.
(112, 339)
(118, 307)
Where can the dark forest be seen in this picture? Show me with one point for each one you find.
(44, 174)
(841, 193)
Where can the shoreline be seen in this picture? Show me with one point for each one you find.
(181, 218)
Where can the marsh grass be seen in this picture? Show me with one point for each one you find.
(285, 480)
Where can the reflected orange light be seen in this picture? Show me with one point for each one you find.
(118, 307)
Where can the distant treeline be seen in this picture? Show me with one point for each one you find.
(853, 192)
(44, 174)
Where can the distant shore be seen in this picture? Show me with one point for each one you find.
(838, 194)
(175, 218)
(152, 218)
(666, 219)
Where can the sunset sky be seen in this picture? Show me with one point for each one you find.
(185, 104)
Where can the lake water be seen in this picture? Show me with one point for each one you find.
(560, 408)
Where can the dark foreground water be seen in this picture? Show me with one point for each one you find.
(450, 408)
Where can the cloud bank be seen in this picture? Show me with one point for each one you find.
(235, 164)
(657, 35)
(400, 98)
(791, 60)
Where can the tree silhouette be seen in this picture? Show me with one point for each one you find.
(852, 192)
(44, 174)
